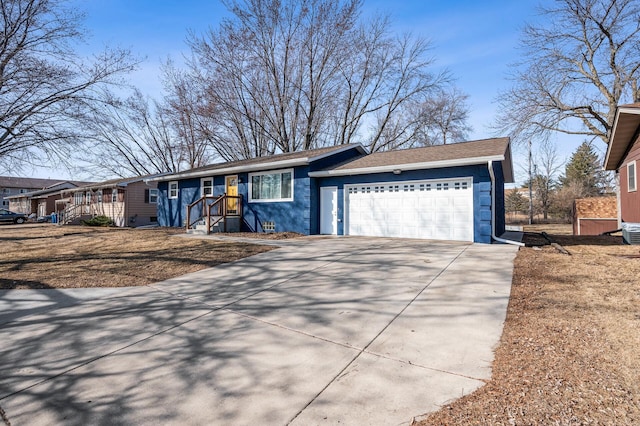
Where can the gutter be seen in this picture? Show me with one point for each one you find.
(493, 210)
(407, 167)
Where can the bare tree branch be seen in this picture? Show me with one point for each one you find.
(577, 68)
(45, 87)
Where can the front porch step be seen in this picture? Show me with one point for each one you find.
(201, 226)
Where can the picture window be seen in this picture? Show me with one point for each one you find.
(271, 186)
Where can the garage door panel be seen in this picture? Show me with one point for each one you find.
(418, 209)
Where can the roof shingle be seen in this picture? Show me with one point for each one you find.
(457, 151)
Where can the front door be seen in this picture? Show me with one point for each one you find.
(231, 183)
(329, 210)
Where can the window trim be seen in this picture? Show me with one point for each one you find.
(169, 190)
(632, 164)
(271, 200)
(202, 180)
(153, 193)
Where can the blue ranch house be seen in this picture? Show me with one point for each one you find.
(442, 192)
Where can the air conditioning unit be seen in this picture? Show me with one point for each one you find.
(631, 233)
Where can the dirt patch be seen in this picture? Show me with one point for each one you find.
(569, 349)
(52, 256)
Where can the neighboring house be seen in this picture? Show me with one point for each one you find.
(623, 156)
(446, 192)
(10, 185)
(128, 202)
(595, 215)
(41, 202)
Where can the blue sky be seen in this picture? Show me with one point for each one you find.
(475, 40)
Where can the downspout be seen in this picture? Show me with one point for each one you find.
(493, 210)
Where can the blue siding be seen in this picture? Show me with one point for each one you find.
(332, 160)
(500, 208)
(481, 191)
(288, 216)
(303, 213)
(164, 213)
(293, 216)
(173, 212)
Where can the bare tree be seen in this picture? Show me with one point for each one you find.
(443, 118)
(577, 68)
(45, 87)
(137, 137)
(547, 167)
(291, 75)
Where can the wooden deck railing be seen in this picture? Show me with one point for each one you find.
(219, 208)
(69, 214)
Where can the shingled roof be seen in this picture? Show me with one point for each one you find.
(288, 159)
(120, 182)
(27, 183)
(436, 156)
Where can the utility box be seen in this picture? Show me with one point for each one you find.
(631, 233)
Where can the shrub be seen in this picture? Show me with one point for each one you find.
(98, 221)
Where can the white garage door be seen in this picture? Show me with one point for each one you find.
(430, 209)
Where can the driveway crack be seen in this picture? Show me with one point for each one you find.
(364, 349)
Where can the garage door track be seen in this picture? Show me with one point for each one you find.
(320, 331)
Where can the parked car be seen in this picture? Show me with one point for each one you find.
(9, 216)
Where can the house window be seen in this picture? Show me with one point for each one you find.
(271, 186)
(632, 177)
(88, 198)
(153, 197)
(99, 195)
(114, 195)
(77, 198)
(23, 191)
(206, 185)
(173, 189)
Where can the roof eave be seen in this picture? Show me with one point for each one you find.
(235, 169)
(618, 143)
(410, 166)
(278, 164)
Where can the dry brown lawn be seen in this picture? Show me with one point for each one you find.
(569, 350)
(49, 256)
(551, 228)
(569, 353)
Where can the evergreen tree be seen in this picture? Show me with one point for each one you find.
(515, 202)
(584, 171)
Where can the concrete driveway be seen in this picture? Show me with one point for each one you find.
(321, 331)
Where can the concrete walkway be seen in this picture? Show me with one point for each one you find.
(328, 331)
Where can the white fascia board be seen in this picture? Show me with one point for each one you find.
(632, 111)
(236, 169)
(410, 166)
(613, 132)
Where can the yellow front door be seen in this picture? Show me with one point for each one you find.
(232, 190)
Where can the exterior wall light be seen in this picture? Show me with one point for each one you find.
(397, 171)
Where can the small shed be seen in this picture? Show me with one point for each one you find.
(595, 215)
